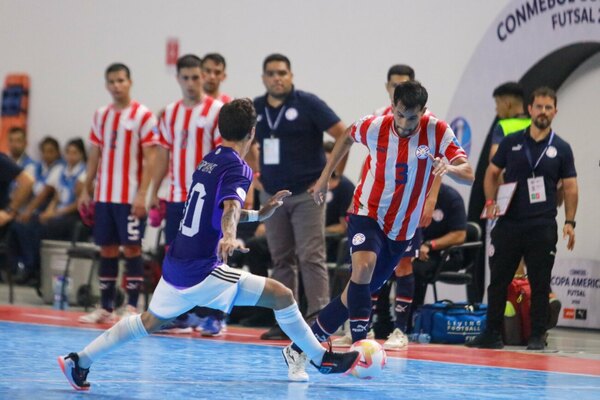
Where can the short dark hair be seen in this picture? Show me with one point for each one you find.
(411, 94)
(49, 140)
(236, 119)
(401, 69)
(544, 91)
(17, 129)
(509, 89)
(216, 57)
(79, 145)
(116, 67)
(328, 146)
(276, 57)
(188, 61)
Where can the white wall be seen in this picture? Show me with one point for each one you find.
(339, 49)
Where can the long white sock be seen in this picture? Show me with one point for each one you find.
(291, 322)
(125, 330)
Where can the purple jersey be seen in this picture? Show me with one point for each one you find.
(222, 175)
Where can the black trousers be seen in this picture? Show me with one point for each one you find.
(535, 240)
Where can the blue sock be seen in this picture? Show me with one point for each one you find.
(359, 310)
(107, 273)
(329, 320)
(135, 278)
(405, 289)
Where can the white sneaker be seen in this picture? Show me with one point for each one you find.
(396, 340)
(346, 340)
(98, 316)
(296, 363)
(128, 311)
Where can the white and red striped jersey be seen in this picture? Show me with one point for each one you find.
(397, 173)
(225, 98)
(121, 134)
(189, 133)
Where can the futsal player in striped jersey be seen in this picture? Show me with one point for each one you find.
(195, 270)
(406, 149)
(213, 74)
(121, 136)
(187, 132)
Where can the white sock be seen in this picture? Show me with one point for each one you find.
(125, 330)
(291, 322)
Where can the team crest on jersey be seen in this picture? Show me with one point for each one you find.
(291, 114)
(422, 152)
(259, 118)
(491, 250)
(357, 239)
(551, 152)
(438, 215)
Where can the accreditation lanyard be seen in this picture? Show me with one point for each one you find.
(530, 157)
(273, 126)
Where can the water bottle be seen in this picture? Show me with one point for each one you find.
(57, 290)
(419, 337)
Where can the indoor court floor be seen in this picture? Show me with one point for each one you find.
(239, 365)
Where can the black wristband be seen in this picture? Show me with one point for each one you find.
(570, 222)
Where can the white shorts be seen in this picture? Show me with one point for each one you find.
(224, 288)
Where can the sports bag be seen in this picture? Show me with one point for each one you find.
(448, 322)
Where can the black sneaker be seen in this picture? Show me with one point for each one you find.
(337, 363)
(555, 306)
(536, 343)
(75, 374)
(487, 340)
(275, 333)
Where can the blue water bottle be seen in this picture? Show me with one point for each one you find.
(419, 337)
(57, 284)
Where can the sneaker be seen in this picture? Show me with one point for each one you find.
(176, 327)
(296, 363)
(487, 340)
(98, 316)
(346, 340)
(128, 311)
(337, 363)
(555, 306)
(212, 327)
(275, 333)
(73, 372)
(396, 340)
(536, 343)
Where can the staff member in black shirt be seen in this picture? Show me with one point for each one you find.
(536, 159)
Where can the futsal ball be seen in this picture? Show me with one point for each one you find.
(372, 359)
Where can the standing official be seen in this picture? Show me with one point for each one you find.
(536, 159)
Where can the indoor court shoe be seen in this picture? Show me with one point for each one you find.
(536, 343)
(212, 327)
(555, 306)
(73, 372)
(337, 363)
(396, 341)
(487, 340)
(275, 333)
(98, 316)
(346, 340)
(296, 363)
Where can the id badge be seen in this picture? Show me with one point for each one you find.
(271, 151)
(537, 190)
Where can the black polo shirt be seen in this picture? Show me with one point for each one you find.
(9, 170)
(449, 214)
(300, 132)
(557, 163)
